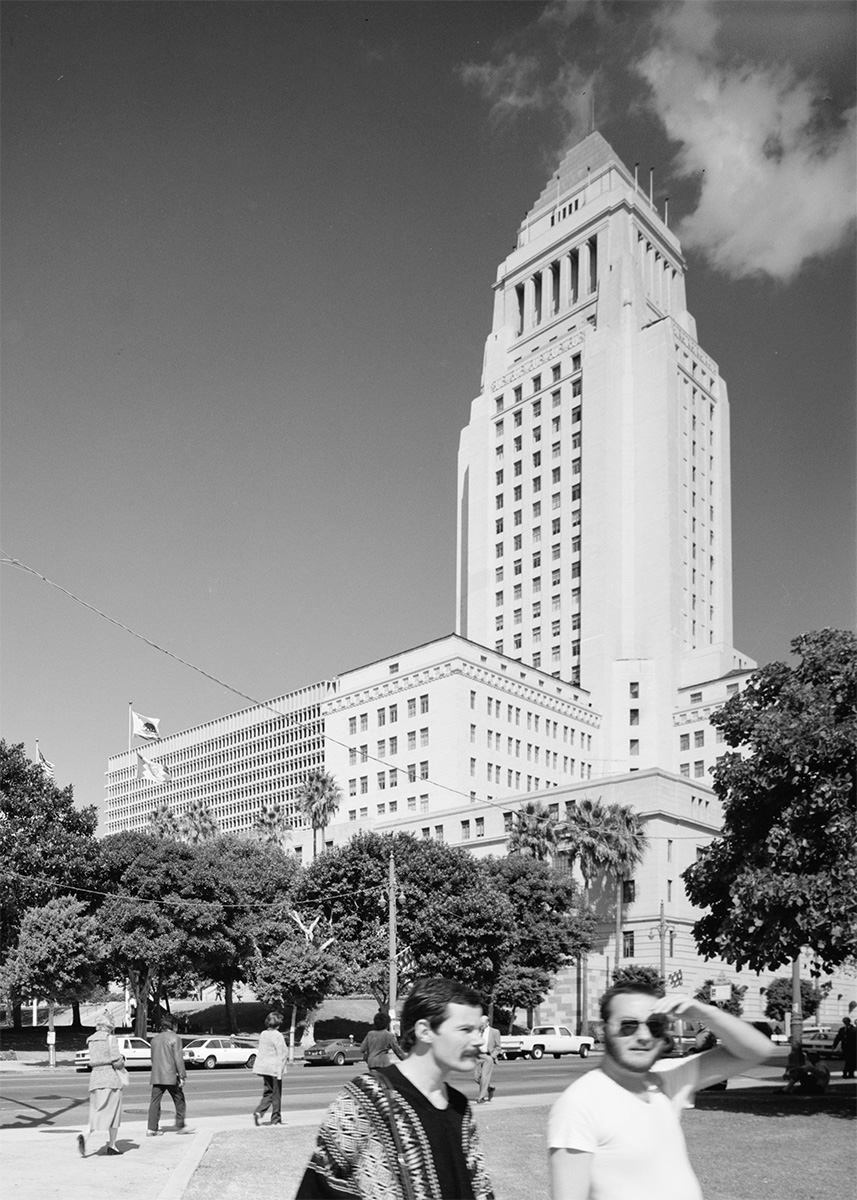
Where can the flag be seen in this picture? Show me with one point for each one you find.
(47, 767)
(145, 727)
(154, 771)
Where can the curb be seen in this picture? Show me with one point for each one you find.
(184, 1172)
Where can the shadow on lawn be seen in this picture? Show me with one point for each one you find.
(839, 1102)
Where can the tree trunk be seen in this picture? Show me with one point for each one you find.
(75, 1016)
(230, 1006)
(618, 930)
(308, 1035)
(292, 1024)
(17, 1022)
(796, 1058)
(584, 977)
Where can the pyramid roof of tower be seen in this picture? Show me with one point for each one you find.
(585, 159)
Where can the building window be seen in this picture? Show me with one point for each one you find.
(634, 716)
(364, 722)
(352, 787)
(412, 707)
(480, 827)
(696, 697)
(364, 754)
(412, 739)
(424, 770)
(684, 770)
(426, 832)
(424, 737)
(698, 769)
(394, 713)
(669, 849)
(634, 748)
(382, 780)
(438, 833)
(352, 724)
(352, 814)
(629, 891)
(412, 772)
(465, 831)
(424, 704)
(628, 944)
(394, 745)
(423, 803)
(364, 785)
(699, 737)
(684, 741)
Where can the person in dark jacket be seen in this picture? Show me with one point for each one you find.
(168, 1075)
(847, 1038)
(379, 1043)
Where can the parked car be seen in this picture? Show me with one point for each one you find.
(137, 1051)
(220, 1052)
(337, 1051)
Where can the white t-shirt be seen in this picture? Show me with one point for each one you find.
(635, 1137)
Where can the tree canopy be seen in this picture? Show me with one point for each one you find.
(782, 876)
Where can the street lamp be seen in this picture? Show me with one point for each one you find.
(661, 930)
(392, 954)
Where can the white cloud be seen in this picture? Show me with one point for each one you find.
(777, 179)
(510, 85)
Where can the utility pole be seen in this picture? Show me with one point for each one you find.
(661, 930)
(391, 919)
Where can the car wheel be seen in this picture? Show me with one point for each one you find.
(210, 1062)
(525, 1054)
(557, 1056)
(339, 1059)
(584, 1052)
(250, 1063)
(537, 1052)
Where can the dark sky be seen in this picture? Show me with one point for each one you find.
(248, 252)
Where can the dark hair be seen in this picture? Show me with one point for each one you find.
(381, 1021)
(429, 1000)
(168, 1021)
(632, 988)
(273, 1020)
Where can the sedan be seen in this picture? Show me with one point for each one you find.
(137, 1051)
(337, 1051)
(820, 1041)
(220, 1052)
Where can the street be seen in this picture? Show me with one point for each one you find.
(58, 1098)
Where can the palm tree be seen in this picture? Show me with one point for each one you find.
(198, 823)
(534, 832)
(164, 823)
(629, 845)
(272, 826)
(319, 799)
(586, 835)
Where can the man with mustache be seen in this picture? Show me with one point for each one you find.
(615, 1133)
(402, 1131)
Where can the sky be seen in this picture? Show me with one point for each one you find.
(247, 262)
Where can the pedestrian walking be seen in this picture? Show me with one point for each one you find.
(847, 1038)
(168, 1075)
(270, 1063)
(401, 1131)
(489, 1051)
(379, 1047)
(106, 1082)
(615, 1133)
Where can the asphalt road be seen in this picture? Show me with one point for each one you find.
(59, 1098)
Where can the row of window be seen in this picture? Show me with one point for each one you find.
(537, 384)
(387, 747)
(389, 714)
(382, 777)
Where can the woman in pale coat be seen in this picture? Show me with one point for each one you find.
(271, 1065)
(105, 1089)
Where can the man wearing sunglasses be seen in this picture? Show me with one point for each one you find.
(615, 1133)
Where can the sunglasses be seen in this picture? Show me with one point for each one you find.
(657, 1026)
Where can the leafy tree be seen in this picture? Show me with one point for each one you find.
(46, 844)
(551, 927)
(638, 973)
(783, 875)
(162, 916)
(534, 832)
(587, 836)
(59, 954)
(319, 799)
(445, 920)
(629, 845)
(735, 1003)
(778, 1000)
(248, 879)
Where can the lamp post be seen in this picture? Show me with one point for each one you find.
(661, 930)
(391, 948)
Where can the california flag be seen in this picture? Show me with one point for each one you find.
(145, 727)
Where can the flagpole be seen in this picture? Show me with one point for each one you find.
(130, 725)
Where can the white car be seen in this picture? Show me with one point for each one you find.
(220, 1052)
(137, 1051)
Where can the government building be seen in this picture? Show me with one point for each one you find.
(593, 624)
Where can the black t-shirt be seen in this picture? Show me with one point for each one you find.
(442, 1127)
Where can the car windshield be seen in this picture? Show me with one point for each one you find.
(195, 1044)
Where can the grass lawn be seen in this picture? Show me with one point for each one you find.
(743, 1144)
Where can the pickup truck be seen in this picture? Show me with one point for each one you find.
(545, 1039)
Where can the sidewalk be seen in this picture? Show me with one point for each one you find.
(43, 1163)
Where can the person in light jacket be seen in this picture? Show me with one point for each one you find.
(105, 1090)
(271, 1065)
